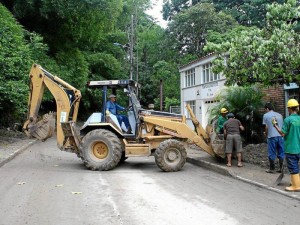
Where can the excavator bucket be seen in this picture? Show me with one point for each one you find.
(43, 129)
(218, 145)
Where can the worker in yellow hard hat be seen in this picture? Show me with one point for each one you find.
(221, 120)
(291, 133)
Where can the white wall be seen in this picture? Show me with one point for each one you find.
(203, 94)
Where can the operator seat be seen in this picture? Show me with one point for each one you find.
(111, 118)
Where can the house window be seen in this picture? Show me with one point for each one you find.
(208, 75)
(293, 93)
(189, 78)
(193, 107)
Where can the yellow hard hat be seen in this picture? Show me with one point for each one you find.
(224, 110)
(292, 103)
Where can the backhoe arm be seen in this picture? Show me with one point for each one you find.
(67, 104)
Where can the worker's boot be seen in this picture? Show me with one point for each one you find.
(272, 167)
(295, 180)
(280, 166)
(129, 131)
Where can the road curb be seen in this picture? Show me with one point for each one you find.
(17, 152)
(210, 166)
(288, 194)
(223, 171)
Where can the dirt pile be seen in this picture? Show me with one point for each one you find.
(8, 136)
(256, 154)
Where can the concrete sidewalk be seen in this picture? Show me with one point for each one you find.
(11, 150)
(249, 173)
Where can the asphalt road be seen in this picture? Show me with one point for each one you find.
(46, 186)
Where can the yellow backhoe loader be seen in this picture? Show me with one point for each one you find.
(101, 142)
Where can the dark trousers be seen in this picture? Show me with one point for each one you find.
(123, 118)
(292, 162)
(276, 148)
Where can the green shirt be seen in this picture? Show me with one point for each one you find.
(221, 121)
(291, 129)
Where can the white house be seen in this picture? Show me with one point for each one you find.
(199, 87)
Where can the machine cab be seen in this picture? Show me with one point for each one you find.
(127, 90)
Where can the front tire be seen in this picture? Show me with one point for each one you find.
(170, 156)
(101, 150)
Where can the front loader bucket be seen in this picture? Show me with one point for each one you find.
(43, 129)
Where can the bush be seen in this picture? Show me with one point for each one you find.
(246, 104)
(15, 62)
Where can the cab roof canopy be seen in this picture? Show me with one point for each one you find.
(112, 83)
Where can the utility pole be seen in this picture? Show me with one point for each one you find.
(131, 48)
(161, 94)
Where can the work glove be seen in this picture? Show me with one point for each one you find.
(107, 112)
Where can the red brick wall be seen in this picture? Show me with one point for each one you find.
(275, 95)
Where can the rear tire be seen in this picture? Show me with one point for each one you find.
(101, 150)
(170, 156)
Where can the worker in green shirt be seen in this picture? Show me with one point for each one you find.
(291, 133)
(221, 120)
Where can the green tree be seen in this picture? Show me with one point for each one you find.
(189, 29)
(79, 35)
(75, 40)
(268, 56)
(73, 30)
(245, 12)
(172, 7)
(70, 23)
(219, 38)
(165, 72)
(156, 61)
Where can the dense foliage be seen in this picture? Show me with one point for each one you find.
(269, 55)
(76, 40)
(189, 29)
(15, 60)
(245, 103)
(245, 12)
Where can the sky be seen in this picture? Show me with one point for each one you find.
(155, 12)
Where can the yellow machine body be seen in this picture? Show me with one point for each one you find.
(101, 142)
